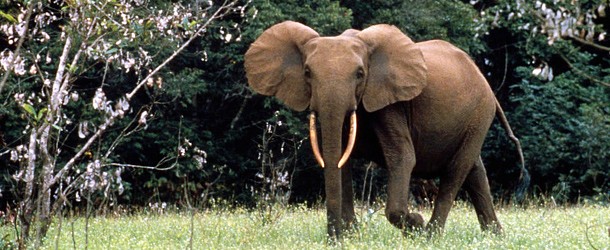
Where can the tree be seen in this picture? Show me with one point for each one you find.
(448, 20)
(61, 94)
(552, 55)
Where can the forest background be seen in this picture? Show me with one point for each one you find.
(122, 133)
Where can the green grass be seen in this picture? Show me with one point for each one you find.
(300, 228)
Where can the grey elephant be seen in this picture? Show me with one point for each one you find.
(419, 109)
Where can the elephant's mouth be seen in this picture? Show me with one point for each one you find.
(313, 137)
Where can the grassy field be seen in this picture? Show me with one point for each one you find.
(574, 227)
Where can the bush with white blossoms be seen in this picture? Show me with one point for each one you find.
(578, 21)
(113, 34)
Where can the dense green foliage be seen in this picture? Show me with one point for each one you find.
(252, 141)
(557, 93)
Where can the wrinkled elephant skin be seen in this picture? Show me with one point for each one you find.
(423, 110)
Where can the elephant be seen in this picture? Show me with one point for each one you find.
(418, 109)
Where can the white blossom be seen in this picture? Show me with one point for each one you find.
(199, 161)
(74, 96)
(228, 37)
(181, 151)
(99, 100)
(83, 129)
(160, 82)
(14, 155)
(121, 107)
(45, 37)
(142, 120)
(19, 98)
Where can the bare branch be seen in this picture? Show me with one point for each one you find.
(55, 96)
(84, 149)
(124, 133)
(157, 167)
(240, 111)
(582, 73)
(589, 43)
(31, 167)
(66, 82)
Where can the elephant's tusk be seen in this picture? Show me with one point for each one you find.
(351, 141)
(313, 137)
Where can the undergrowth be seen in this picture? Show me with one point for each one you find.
(297, 227)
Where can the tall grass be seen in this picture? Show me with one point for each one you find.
(572, 227)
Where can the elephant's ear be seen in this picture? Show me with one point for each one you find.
(397, 70)
(274, 64)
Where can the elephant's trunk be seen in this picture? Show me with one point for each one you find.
(331, 123)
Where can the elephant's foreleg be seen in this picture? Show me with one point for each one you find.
(399, 155)
(347, 197)
(477, 187)
(397, 210)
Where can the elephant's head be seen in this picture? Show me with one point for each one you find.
(377, 66)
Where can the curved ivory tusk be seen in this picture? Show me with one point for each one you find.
(351, 141)
(313, 137)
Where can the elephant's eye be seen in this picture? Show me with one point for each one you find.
(307, 73)
(360, 74)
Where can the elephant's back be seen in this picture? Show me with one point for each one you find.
(453, 78)
(457, 102)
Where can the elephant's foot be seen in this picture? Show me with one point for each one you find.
(434, 229)
(334, 229)
(415, 225)
(493, 227)
(351, 225)
(410, 222)
(337, 231)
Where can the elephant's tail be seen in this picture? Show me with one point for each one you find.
(524, 178)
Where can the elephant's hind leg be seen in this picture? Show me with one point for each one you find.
(477, 187)
(452, 179)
